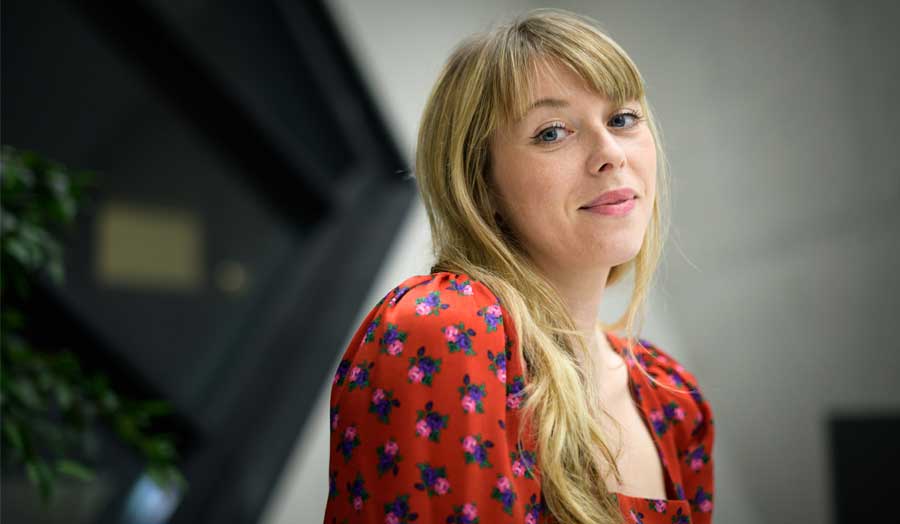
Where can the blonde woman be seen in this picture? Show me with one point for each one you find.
(488, 390)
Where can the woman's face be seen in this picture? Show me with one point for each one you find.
(570, 148)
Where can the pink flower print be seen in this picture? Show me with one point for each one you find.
(354, 373)
(391, 448)
(679, 413)
(334, 421)
(450, 333)
(656, 415)
(660, 506)
(468, 404)
(350, 433)
(494, 310)
(357, 503)
(661, 359)
(467, 290)
(530, 518)
(503, 484)
(395, 348)
(518, 469)
(469, 510)
(441, 486)
(706, 506)
(415, 375)
(513, 402)
(679, 368)
(422, 308)
(469, 444)
(696, 464)
(501, 375)
(378, 395)
(422, 428)
(391, 518)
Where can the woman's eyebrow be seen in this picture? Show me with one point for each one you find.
(547, 102)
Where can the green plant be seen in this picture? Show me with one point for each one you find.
(48, 403)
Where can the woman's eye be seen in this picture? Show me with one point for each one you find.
(624, 116)
(554, 133)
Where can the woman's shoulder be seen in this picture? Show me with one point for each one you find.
(436, 292)
(676, 387)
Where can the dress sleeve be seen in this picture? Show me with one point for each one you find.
(695, 452)
(419, 409)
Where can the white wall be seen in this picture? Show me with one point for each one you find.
(779, 289)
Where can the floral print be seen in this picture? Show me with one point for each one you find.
(430, 423)
(431, 436)
(422, 368)
(476, 451)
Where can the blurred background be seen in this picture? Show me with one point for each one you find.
(252, 202)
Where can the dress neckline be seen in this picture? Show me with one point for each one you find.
(636, 377)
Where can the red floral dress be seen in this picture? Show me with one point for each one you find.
(424, 414)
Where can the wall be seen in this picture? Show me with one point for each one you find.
(778, 290)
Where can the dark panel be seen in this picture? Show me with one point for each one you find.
(865, 460)
(248, 191)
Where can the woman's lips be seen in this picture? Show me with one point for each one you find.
(618, 209)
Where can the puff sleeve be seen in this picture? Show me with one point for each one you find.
(420, 430)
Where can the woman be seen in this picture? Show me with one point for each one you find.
(488, 391)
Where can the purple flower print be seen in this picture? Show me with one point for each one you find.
(515, 392)
(498, 365)
(523, 464)
(434, 480)
(636, 516)
(359, 375)
(335, 416)
(471, 395)
(533, 510)
(493, 316)
(476, 451)
(430, 423)
(332, 484)
(658, 505)
(659, 423)
(462, 288)
(348, 442)
(392, 340)
(388, 458)
(695, 394)
(676, 377)
(679, 492)
(673, 412)
(399, 291)
(341, 373)
(356, 492)
(397, 512)
(458, 338)
(680, 518)
(430, 304)
(381, 404)
(696, 458)
(422, 368)
(503, 492)
(465, 514)
(702, 500)
(370, 330)
(636, 391)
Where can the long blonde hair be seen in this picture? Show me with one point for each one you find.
(486, 83)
